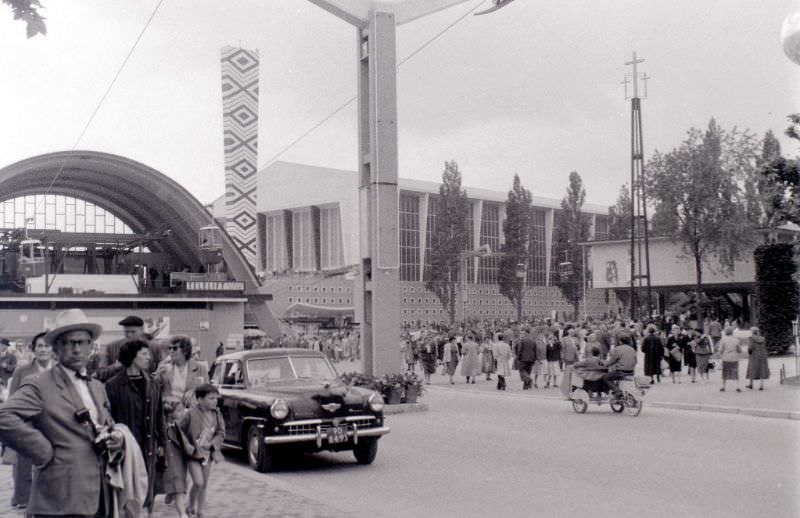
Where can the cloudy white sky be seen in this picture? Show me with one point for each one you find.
(533, 88)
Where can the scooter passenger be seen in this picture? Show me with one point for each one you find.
(591, 370)
(621, 362)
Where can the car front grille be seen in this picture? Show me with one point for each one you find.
(310, 425)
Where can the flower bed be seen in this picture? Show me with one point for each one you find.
(395, 388)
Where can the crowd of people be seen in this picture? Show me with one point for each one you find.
(101, 431)
(338, 346)
(543, 351)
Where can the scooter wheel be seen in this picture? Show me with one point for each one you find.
(633, 405)
(616, 405)
(579, 406)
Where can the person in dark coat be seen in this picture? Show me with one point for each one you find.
(136, 402)
(526, 357)
(757, 365)
(677, 343)
(653, 349)
(23, 469)
(132, 327)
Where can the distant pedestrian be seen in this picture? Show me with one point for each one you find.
(730, 349)
(653, 349)
(703, 346)
(487, 358)
(715, 332)
(569, 355)
(427, 355)
(470, 362)
(553, 355)
(540, 365)
(502, 354)
(757, 365)
(676, 343)
(526, 357)
(450, 355)
(220, 350)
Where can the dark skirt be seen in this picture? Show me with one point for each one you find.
(690, 359)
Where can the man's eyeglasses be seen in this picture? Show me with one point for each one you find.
(173, 347)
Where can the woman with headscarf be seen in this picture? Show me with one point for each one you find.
(757, 366)
(178, 375)
(136, 402)
(42, 361)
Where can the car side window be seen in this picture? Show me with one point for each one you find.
(233, 374)
(216, 374)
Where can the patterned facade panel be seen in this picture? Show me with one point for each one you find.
(240, 122)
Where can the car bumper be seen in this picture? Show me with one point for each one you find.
(321, 436)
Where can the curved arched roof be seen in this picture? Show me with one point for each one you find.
(142, 197)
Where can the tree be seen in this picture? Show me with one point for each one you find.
(517, 231)
(778, 293)
(619, 216)
(28, 12)
(571, 228)
(773, 192)
(698, 194)
(449, 238)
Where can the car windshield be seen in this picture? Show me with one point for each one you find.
(262, 371)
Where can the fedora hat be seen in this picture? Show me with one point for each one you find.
(72, 320)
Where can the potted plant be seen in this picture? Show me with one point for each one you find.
(392, 388)
(413, 387)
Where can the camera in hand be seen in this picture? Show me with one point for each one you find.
(102, 434)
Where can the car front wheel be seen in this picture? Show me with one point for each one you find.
(260, 456)
(366, 451)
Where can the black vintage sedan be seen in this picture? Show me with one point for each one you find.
(279, 400)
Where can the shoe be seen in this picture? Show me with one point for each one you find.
(738, 390)
(722, 389)
(749, 386)
(762, 388)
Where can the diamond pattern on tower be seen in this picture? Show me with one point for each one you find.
(240, 121)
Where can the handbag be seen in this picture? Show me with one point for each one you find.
(664, 365)
(676, 354)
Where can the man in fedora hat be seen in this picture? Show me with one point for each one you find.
(54, 419)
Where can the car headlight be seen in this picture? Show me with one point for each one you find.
(375, 402)
(279, 409)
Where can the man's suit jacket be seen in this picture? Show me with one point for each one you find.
(39, 422)
(526, 352)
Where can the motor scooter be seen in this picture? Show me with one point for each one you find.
(629, 398)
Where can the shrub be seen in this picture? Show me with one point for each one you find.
(777, 292)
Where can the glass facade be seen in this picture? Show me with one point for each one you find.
(409, 238)
(537, 264)
(303, 253)
(433, 207)
(58, 212)
(276, 258)
(490, 235)
(331, 253)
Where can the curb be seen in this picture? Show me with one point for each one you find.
(405, 408)
(753, 412)
(692, 407)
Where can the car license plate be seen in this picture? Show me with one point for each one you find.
(337, 434)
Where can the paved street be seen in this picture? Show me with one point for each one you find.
(477, 451)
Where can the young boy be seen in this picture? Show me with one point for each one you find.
(204, 428)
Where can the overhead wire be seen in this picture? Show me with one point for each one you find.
(350, 101)
(105, 94)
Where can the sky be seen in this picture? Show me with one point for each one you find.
(533, 89)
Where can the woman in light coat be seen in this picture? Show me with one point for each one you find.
(757, 366)
(470, 361)
(729, 353)
(502, 354)
(487, 358)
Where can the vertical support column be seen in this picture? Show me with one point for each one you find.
(423, 233)
(378, 291)
(549, 223)
(240, 122)
(477, 218)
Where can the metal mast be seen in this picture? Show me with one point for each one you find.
(639, 238)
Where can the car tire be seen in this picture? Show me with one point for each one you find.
(260, 456)
(366, 451)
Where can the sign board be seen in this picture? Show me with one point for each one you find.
(214, 285)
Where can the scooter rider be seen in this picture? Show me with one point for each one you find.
(620, 362)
